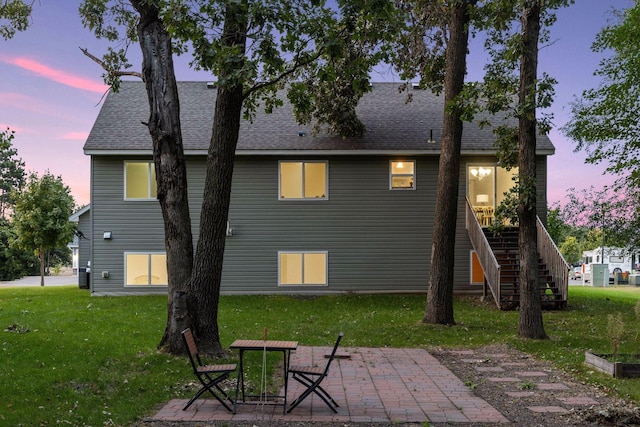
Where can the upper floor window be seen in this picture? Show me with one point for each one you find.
(402, 175)
(303, 180)
(140, 181)
(145, 269)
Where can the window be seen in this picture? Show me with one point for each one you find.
(616, 259)
(303, 180)
(140, 181)
(486, 188)
(145, 269)
(302, 268)
(403, 175)
(487, 184)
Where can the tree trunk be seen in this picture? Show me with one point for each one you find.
(439, 305)
(530, 304)
(207, 273)
(171, 174)
(41, 258)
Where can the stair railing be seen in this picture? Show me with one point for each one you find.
(485, 254)
(558, 267)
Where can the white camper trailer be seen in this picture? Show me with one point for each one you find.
(617, 260)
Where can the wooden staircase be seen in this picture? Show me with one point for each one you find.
(504, 245)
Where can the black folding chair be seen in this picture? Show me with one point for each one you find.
(311, 377)
(209, 375)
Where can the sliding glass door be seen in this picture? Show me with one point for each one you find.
(486, 188)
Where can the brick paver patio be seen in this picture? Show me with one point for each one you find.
(372, 385)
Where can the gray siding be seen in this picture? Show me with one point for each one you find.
(135, 226)
(377, 240)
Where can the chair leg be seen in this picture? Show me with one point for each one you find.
(194, 398)
(207, 386)
(317, 389)
(312, 387)
(322, 393)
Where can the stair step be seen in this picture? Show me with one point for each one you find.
(506, 251)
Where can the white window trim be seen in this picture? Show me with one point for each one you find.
(326, 254)
(413, 175)
(147, 285)
(150, 165)
(305, 199)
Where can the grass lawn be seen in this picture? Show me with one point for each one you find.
(68, 358)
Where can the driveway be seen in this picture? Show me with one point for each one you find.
(48, 281)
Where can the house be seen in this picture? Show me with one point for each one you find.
(80, 247)
(309, 214)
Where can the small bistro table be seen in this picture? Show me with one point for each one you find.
(263, 345)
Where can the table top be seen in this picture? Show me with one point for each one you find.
(262, 344)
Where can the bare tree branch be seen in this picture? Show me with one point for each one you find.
(110, 71)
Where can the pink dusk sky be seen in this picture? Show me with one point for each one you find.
(50, 93)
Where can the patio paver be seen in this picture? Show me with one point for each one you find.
(400, 385)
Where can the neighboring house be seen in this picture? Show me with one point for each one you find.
(309, 214)
(74, 246)
(81, 249)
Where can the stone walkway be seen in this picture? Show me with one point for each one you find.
(522, 387)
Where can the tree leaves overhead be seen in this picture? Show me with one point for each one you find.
(504, 43)
(420, 45)
(338, 47)
(606, 120)
(14, 16)
(114, 21)
(358, 38)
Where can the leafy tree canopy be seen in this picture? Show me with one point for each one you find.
(329, 52)
(556, 226)
(15, 262)
(328, 90)
(593, 239)
(12, 174)
(42, 213)
(14, 16)
(570, 250)
(606, 120)
(41, 216)
(613, 212)
(502, 26)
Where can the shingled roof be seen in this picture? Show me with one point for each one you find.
(392, 125)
